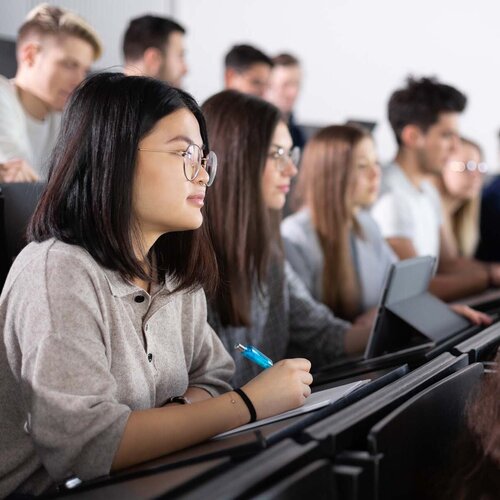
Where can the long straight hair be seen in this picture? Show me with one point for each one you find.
(88, 198)
(465, 221)
(243, 229)
(325, 185)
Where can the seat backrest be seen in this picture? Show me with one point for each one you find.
(18, 202)
(350, 426)
(416, 440)
(312, 481)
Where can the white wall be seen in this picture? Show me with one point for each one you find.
(354, 52)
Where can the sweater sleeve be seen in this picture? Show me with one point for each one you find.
(212, 367)
(68, 391)
(315, 333)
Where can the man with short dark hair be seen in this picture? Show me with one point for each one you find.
(247, 70)
(424, 118)
(283, 90)
(154, 46)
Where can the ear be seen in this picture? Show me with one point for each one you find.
(28, 53)
(152, 59)
(412, 136)
(229, 75)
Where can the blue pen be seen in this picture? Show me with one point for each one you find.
(254, 355)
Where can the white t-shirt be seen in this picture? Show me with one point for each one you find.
(405, 211)
(22, 136)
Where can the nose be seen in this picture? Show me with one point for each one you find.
(290, 169)
(202, 177)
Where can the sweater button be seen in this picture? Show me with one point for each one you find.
(139, 298)
(150, 357)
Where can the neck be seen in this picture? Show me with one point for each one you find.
(135, 69)
(33, 105)
(410, 165)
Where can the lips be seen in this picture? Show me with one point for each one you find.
(196, 199)
(285, 188)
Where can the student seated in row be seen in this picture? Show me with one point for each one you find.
(332, 242)
(55, 49)
(104, 327)
(261, 300)
(424, 117)
(459, 187)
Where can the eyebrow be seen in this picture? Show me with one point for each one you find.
(183, 138)
(186, 139)
(280, 146)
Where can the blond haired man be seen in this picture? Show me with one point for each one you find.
(55, 49)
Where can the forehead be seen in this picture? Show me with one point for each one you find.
(447, 120)
(281, 136)
(365, 148)
(282, 73)
(69, 46)
(179, 123)
(258, 71)
(469, 151)
(175, 41)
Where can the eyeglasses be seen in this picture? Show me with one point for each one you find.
(193, 161)
(283, 157)
(469, 166)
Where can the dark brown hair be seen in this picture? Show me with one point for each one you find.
(148, 31)
(421, 102)
(88, 199)
(240, 128)
(324, 186)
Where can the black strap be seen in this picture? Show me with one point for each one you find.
(250, 406)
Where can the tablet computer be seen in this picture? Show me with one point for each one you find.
(408, 316)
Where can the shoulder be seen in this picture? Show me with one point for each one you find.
(432, 193)
(8, 93)
(368, 225)
(297, 227)
(53, 262)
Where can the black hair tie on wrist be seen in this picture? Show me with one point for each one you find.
(249, 404)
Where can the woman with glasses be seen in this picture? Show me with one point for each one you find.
(260, 300)
(107, 359)
(332, 242)
(459, 186)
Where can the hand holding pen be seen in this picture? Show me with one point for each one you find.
(282, 387)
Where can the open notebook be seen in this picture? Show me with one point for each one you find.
(315, 401)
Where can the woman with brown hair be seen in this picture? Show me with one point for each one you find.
(261, 301)
(332, 243)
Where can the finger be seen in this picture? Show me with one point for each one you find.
(301, 364)
(306, 391)
(307, 378)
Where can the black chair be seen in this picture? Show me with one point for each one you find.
(314, 481)
(17, 204)
(343, 434)
(482, 346)
(350, 426)
(414, 444)
(270, 469)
